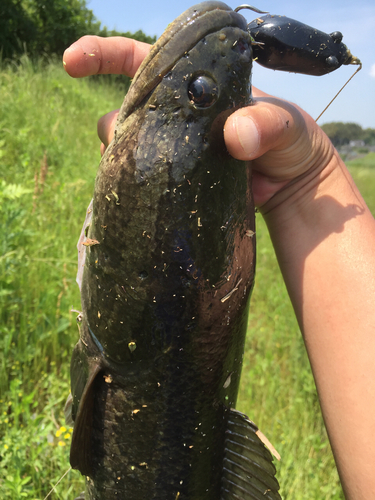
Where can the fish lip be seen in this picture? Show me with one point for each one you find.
(180, 36)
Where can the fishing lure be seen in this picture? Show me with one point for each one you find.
(284, 44)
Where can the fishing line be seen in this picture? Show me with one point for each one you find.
(328, 105)
(61, 478)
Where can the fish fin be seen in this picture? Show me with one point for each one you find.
(248, 470)
(80, 450)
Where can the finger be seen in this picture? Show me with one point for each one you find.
(252, 131)
(93, 55)
(269, 126)
(106, 127)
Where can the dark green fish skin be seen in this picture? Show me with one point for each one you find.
(165, 290)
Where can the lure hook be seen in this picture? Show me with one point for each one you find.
(250, 7)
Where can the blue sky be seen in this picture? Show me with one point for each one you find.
(356, 20)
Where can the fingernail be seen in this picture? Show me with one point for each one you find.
(248, 135)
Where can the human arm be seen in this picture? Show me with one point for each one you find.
(324, 238)
(325, 244)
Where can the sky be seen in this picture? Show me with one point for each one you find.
(355, 20)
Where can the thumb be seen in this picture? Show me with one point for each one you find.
(260, 132)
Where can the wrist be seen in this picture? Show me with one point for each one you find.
(319, 176)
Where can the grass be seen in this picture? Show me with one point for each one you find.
(48, 160)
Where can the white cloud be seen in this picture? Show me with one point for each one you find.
(372, 71)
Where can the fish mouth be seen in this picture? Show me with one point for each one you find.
(179, 37)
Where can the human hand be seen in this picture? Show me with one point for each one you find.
(93, 55)
(282, 140)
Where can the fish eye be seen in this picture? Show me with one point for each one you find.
(203, 91)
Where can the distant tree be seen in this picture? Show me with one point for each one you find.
(47, 27)
(59, 23)
(43, 27)
(369, 136)
(16, 28)
(138, 35)
(342, 133)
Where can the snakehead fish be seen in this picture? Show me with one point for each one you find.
(167, 278)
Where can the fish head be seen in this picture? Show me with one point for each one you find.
(199, 67)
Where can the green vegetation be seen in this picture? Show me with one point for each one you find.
(48, 159)
(49, 154)
(43, 27)
(343, 133)
(47, 27)
(43, 30)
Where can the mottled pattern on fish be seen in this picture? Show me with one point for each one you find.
(166, 286)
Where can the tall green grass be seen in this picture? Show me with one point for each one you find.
(49, 152)
(48, 160)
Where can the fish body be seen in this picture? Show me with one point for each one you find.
(166, 286)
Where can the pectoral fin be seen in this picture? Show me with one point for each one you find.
(248, 471)
(83, 374)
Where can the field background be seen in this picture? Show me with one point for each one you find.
(49, 153)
